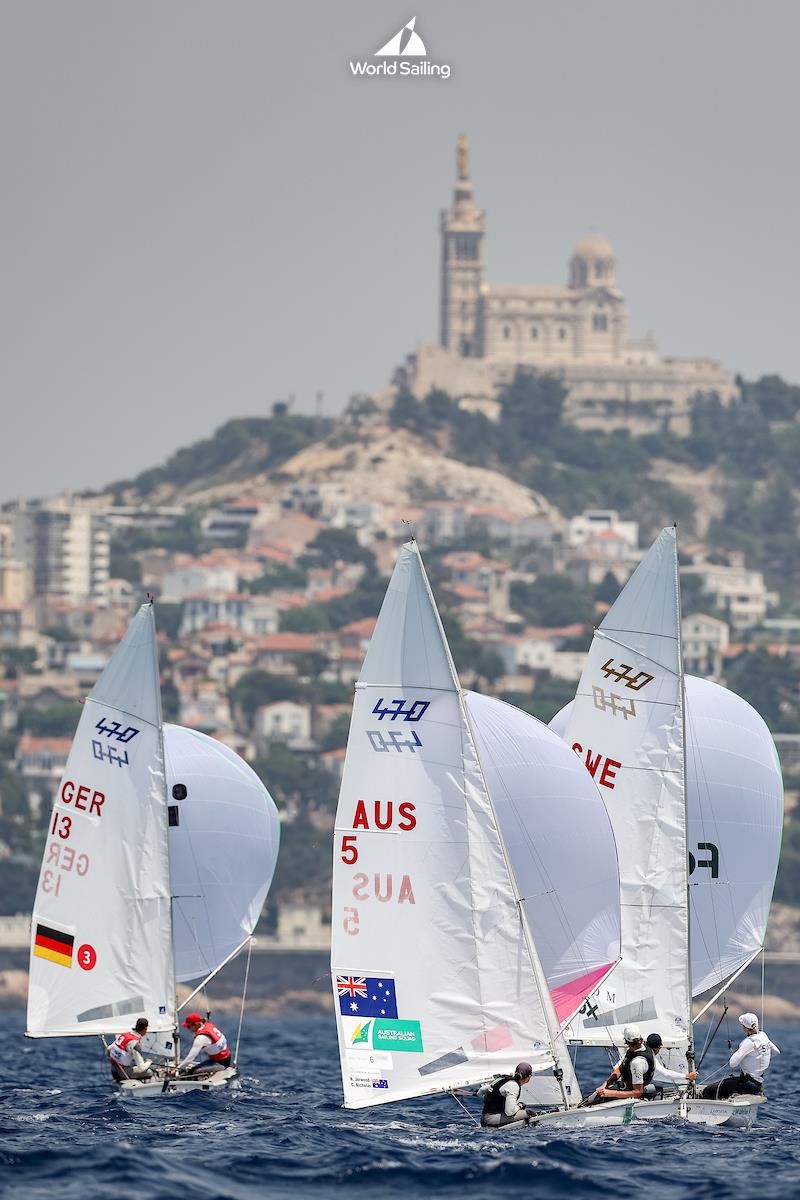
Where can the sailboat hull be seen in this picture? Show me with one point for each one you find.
(740, 1112)
(615, 1112)
(147, 1088)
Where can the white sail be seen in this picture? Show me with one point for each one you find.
(627, 725)
(434, 982)
(734, 800)
(101, 952)
(223, 840)
(561, 845)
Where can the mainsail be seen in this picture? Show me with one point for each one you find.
(561, 845)
(436, 984)
(626, 724)
(101, 952)
(223, 842)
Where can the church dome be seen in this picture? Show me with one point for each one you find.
(593, 263)
(594, 245)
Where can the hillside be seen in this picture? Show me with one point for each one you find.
(733, 482)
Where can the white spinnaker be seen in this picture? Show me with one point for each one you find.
(434, 982)
(223, 849)
(627, 726)
(104, 887)
(734, 799)
(559, 838)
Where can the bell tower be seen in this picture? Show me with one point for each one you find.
(463, 227)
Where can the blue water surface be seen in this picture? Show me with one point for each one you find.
(66, 1135)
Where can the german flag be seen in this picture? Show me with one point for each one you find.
(53, 945)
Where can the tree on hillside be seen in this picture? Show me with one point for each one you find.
(59, 720)
(261, 687)
(337, 545)
(552, 600)
(775, 399)
(771, 684)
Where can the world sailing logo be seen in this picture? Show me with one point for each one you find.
(406, 42)
(404, 54)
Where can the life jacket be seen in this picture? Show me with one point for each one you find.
(118, 1050)
(218, 1050)
(625, 1066)
(493, 1102)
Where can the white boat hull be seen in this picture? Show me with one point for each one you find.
(739, 1112)
(615, 1112)
(146, 1088)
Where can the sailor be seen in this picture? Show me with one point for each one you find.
(752, 1058)
(663, 1074)
(632, 1073)
(126, 1058)
(209, 1041)
(501, 1097)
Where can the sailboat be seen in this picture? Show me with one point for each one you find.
(159, 854)
(437, 982)
(692, 784)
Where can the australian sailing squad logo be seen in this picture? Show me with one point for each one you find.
(404, 54)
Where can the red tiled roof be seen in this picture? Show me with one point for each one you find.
(28, 744)
(291, 643)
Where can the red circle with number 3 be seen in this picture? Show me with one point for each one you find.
(87, 957)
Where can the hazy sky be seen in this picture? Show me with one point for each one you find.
(202, 211)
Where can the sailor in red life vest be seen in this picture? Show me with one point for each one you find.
(208, 1041)
(125, 1057)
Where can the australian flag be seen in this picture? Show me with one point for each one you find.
(360, 996)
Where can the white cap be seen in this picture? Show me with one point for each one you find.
(632, 1033)
(748, 1020)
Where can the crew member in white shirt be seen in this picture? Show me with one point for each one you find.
(663, 1074)
(501, 1097)
(752, 1058)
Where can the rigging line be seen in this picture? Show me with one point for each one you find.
(471, 1117)
(763, 968)
(710, 1038)
(241, 1010)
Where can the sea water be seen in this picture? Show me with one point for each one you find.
(65, 1134)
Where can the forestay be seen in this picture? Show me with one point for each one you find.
(434, 980)
(223, 840)
(101, 952)
(627, 726)
(734, 800)
(559, 838)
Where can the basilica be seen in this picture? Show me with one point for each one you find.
(578, 331)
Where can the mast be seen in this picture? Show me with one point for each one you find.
(682, 687)
(165, 827)
(543, 993)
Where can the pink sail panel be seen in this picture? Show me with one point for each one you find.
(567, 998)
